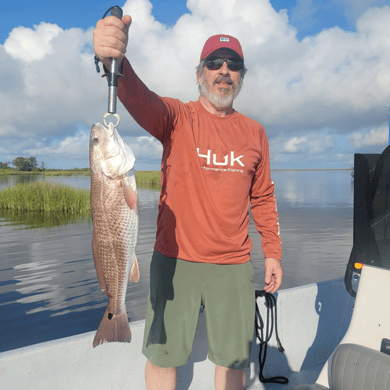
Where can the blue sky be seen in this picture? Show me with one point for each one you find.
(318, 75)
(309, 17)
(74, 13)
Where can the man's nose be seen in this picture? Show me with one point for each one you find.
(224, 69)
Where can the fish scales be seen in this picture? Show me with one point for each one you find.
(115, 216)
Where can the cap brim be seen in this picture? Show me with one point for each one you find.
(224, 52)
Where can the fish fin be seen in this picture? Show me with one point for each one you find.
(134, 271)
(99, 267)
(131, 196)
(113, 328)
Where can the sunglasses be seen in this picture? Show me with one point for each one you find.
(216, 63)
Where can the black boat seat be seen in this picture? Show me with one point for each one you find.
(356, 367)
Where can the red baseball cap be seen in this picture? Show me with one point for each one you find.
(221, 41)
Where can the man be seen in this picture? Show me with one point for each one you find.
(215, 164)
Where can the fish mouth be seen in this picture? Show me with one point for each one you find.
(111, 155)
(98, 127)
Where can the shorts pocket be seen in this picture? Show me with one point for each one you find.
(250, 271)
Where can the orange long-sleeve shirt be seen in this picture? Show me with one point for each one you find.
(212, 169)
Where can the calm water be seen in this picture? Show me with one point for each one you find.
(48, 284)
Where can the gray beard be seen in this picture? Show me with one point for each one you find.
(218, 101)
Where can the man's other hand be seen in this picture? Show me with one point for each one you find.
(273, 274)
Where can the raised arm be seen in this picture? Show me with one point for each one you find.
(110, 39)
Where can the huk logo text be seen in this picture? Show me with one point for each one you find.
(228, 160)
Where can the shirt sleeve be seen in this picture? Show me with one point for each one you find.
(263, 204)
(152, 112)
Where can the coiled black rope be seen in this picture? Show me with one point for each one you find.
(265, 338)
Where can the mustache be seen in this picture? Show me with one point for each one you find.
(224, 79)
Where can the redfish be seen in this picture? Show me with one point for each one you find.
(115, 217)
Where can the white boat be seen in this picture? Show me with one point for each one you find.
(313, 322)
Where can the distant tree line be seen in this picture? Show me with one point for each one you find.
(23, 164)
(31, 164)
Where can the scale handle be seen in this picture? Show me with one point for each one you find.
(113, 75)
(117, 11)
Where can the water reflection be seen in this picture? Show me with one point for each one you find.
(48, 283)
(314, 188)
(13, 180)
(41, 219)
(71, 181)
(154, 187)
(33, 283)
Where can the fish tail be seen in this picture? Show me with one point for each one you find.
(113, 327)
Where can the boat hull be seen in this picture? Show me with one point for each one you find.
(312, 320)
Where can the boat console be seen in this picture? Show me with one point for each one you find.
(371, 219)
(362, 360)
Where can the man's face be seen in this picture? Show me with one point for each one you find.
(220, 86)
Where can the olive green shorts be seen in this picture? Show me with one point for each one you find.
(178, 288)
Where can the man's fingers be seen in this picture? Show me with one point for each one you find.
(270, 287)
(277, 283)
(127, 21)
(110, 37)
(268, 277)
(116, 23)
(273, 275)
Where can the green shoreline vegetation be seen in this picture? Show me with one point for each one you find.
(44, 204)
(44, 196)
(41, 204)
(35, 204)
(148, 178)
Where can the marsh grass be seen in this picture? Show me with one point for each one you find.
(65, 172)
(33, 204)
(148, 178)
(46, 197)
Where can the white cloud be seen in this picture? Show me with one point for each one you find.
(145, 147)
(29, 45)
(337, 79)
(72, 146)
(295, 144)
(312, 150)
(376, 136)
(310, 144)
(8, 130)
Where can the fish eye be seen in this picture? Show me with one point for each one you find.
(96, 141)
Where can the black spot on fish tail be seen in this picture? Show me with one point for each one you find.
(110, 315)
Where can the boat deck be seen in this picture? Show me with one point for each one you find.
(311, 321)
